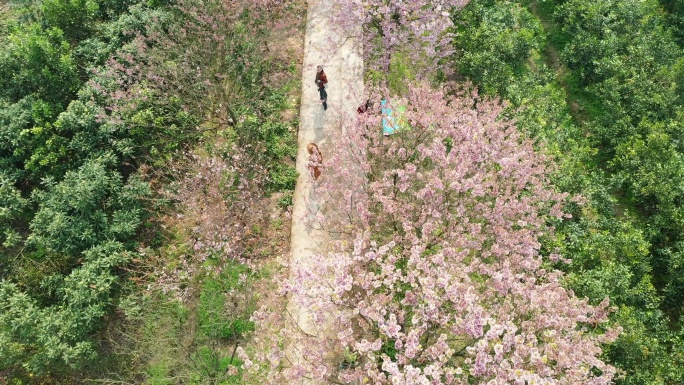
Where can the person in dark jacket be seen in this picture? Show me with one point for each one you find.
(321, 81)
(364, 107)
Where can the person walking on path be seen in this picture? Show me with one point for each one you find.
(315, 160)
(321, 81)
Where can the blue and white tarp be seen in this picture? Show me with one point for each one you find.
(391, 122)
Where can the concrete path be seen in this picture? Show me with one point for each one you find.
(344, 68)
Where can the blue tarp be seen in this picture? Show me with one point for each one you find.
(391, 123)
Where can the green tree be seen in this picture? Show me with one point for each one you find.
(91, 205)
(12, 205)
(675, 17)
(36, 339)
(76, 18)
(494, 42)
(38, 62)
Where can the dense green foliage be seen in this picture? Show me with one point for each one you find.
(90, 124)
(599, 86)
(70, 209)
(675, 16)
(44, 337)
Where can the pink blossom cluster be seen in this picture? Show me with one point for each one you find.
(223, 196)
(197, 59)
(422, 29)
(442, 281)
(220, 199)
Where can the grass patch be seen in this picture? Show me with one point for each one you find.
(286, 200)
(545, 11)
(584, 105)
(213, 366)
(401, 73)
(225, 305)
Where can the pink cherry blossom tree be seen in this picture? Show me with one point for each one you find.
(441, 279)
(214, 58)
(419, 28)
